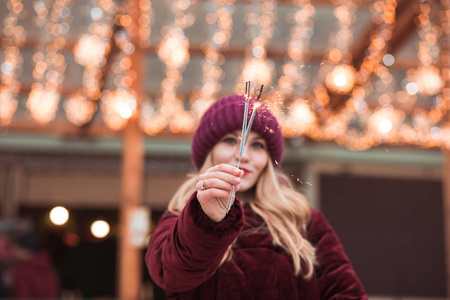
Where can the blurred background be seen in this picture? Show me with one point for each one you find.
(99, 100)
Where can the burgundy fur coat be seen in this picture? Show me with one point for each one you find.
(184, 253)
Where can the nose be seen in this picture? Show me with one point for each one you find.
(245, 154)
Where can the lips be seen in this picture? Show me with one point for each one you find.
(246, 172)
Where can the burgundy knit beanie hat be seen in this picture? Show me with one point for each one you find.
(225, 116)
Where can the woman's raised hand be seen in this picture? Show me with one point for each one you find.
(214, 187)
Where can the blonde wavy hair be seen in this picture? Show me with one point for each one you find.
(284, 211)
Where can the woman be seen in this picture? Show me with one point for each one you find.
(270, 245)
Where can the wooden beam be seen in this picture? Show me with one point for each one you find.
(405, 25)
(67, 130)
(403, 29)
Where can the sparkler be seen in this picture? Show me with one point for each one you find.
(246, 127)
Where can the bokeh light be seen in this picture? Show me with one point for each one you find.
(59, 215)
(100, 229)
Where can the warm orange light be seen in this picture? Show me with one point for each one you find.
(385, 122)
(117, 106)
(174, 48)
(258, 70)
(8, 106)
(89, 52)
(429, 80)
(341, 79)
(334, 55)
(256, 105)
(300, 119)
(79, 110)
(43, 103)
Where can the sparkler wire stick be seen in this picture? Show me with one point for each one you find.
(241, 145)
(246, 127)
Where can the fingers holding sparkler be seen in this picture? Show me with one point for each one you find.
(213, 189)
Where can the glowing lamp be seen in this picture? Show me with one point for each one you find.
(259, 70)
(385, 122)
(384, 126)
(117, 106)
(79, 110)
(43, 103)
(300, 118)
(100, 229)
(89, 51)
(341, 79)
(429, 80)
(59, 215)
(174, 49)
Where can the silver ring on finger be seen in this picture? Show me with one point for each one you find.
(204, 185)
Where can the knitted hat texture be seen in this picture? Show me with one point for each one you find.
(225, 116)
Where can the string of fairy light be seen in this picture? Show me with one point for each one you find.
(260, 19)
(295, 78)
(118, 103)
(374, 124)
(15, 35)
(377, 106)
(294, 82)
(427, 75)
(337, 70)
(90, 52)
(50, 63)
(383, 15)
(219, 17)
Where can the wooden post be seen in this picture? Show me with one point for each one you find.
(445, 61)
(130, 259)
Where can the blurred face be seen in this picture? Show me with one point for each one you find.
(254, 159)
